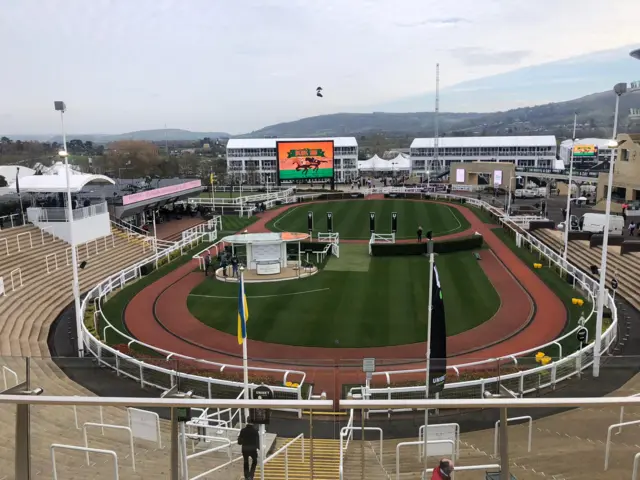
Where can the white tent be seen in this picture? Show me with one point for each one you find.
(55, 180)
(374, 164)
(400, 163)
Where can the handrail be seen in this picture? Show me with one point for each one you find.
(113, 427)
(421, 429)
(351, 430)
(226, 445)
(6, 245)
(60, 446)
(6, 370)
(55, 261)
(608, 444)
(346, 431)
(512, 419)
(18, 240)
(636, 460)
(19, 270)
(43, 229)
(622, 414)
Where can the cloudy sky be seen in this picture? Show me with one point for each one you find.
(238, 65)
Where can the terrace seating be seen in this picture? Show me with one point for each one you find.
(624, 267)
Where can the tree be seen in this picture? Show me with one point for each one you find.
(138, 157)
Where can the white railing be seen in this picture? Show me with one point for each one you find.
(496, 432)
(6, 245)
(344, 444)
(381, 238)
(285, 449)
(21, 235)
(112, 427)
(607, 447)
(621, 421)
(523, 221)
(6, 371)
(61, 214)
(54, 262)
(12, 274)
(209, 227)
(150, 372)
(11, 219)
(58, 446)
(417, 443)
(526, 381)
(91, 246)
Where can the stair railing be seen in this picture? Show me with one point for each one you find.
(285, 449)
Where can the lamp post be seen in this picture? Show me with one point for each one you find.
(61, 107)
(567, 216)
(620, 89)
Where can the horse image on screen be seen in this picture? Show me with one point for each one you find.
(306, 159)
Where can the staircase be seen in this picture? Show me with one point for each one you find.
(326, 460)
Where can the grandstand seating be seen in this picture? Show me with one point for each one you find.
(624, 267)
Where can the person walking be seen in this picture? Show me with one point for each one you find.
(249, 440)
(632, 228)
(443, 471)
(419, 234)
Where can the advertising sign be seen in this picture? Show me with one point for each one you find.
(497, 178)
(160, 192)
(460, 175)
(306, 159)
(585, 151)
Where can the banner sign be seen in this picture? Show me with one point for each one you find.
(160, 192)
(330, 222)
(372, 221)
(394, 222)
(438, 354)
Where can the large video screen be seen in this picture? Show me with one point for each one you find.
(585, 151)
(305, 160)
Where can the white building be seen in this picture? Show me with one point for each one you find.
(528, 151)
(602, 144)
(254, 159)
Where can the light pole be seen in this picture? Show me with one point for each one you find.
(619, 90)
(567, 216)
(61, 107)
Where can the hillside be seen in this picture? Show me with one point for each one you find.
(159, 135)
(595, 116)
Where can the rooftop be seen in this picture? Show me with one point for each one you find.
(510, 141)
(271, 142)
(598, 142)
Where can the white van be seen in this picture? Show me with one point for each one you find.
(594, 222)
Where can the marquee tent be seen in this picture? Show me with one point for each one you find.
(55, 180)
(377, 164)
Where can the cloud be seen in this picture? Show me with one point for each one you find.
(479, 56)
(437, 22)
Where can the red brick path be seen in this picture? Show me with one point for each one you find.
(158, 315)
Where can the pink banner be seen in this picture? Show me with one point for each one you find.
(160, 192)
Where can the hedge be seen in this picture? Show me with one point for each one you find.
(472, 242)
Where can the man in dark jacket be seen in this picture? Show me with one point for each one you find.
(249, 439)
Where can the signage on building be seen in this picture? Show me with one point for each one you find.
(585, 151)
(160, 192)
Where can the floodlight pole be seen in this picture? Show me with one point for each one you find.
(74, 256)
(619, 90)
(567, 216)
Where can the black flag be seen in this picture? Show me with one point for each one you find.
(438, 354)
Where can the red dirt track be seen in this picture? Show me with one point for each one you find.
(511, 330)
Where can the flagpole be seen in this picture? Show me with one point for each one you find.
(19, 194)
(245, 362)
(426, 410)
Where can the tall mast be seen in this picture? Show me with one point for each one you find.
(436, 119)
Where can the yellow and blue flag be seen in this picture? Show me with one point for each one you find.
(243, 313)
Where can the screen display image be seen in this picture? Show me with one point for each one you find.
(585, 151)
(460, 175)
(497, 177)
(310, 159)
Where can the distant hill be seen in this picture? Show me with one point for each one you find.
(170, 134)
(595, 116)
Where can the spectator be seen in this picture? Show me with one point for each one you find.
(207, 263)
(443, 471)
(419, 234)
(234, 266)
(223, 265)
(249, 439)
(632, 228)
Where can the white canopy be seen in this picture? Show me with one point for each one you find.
(56, 181)
(377, 164)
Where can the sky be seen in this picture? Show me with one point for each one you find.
(238, 65)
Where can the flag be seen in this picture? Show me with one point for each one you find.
(212, 179)
(243, 313)
(17, 182)
(438, 354)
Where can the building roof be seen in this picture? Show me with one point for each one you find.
(510, 141)
(378, 164)
(598, 142)
(271, 142)
(56, 181)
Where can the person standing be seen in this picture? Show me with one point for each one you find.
(249, 440)
(207, 263)
(234, 266)
(632, 228)
(419, 234)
